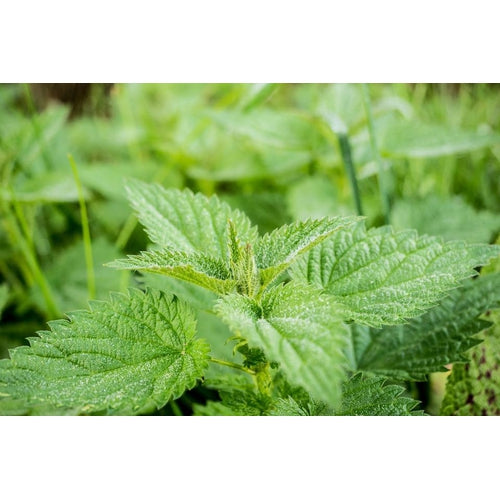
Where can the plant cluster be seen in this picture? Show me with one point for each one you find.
(263, 288)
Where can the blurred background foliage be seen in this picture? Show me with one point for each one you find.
(423, 156)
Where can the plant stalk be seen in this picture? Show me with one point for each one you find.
(87, 242)
(345, 149)
(382, 181)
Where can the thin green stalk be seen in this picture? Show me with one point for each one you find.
(345, 149)
(382, 181)
(126, 231)
(232, 365)
(31, 260)
(89, 260)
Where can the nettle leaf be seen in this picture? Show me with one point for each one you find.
(429, 342)
(362, 394)
(371, 395)
(134, 352)
(384, 277)
(197, 268)
(275, 251)
(307, 341)
(289, 407)
(187, 222)
(473, 388)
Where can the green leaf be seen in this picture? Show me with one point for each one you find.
(450, 218)
(275, 251)
(277, 129)
(384, 277)
(297, 327)
(131, 353)
(196, 268)
(236, 403)
(473, 388)
(370, 395)
(51, 187)
(187, 222)
(362, 394)
(404, 139)
(314, 197)
(69, 281)
(429, 342)
(289, 407)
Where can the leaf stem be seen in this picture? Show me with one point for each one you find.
(345, 149)
(232, 365)
(89, 260)
(382, 181)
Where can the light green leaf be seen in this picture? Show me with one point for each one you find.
(283, 129)
(297, 327)
(131, 353)
(275, 251)
(370, 395)
(314, 197)
(196, 268)
(473, 388)
(404, 139)
(69, 281)
(429, 342)
(187, 222)
(50, 187)
(450, 218)
(384, 277)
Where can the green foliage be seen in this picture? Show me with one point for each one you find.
(277, 250)
(188, 222)
(127, 355)
(371, 395)
(307, 342)
(217, 243)
(243, 192)
(384, 277)
(423, 140)
(426, 343)
(473, 387)
(452, 219)
(362, 395)
(196, 268)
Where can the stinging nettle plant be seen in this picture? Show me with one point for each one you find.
(326, 318)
